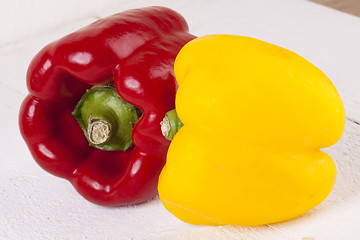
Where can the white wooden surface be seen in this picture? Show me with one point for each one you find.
(37, 205)
(20, 19)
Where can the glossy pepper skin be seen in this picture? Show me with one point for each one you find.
(255, 117)
(135, 49)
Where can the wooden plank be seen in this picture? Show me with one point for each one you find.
(348, 6)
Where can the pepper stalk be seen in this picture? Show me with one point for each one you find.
(106, 119)
(171, 124)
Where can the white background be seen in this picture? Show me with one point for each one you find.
(37, 205)
(20, 19)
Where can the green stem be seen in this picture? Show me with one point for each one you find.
(171, 124)
(98, 131)
(106, 119)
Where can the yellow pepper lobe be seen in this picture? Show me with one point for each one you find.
(255, 117)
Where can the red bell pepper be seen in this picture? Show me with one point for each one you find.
(135, 50)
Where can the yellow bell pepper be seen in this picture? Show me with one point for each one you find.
(255, 117)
